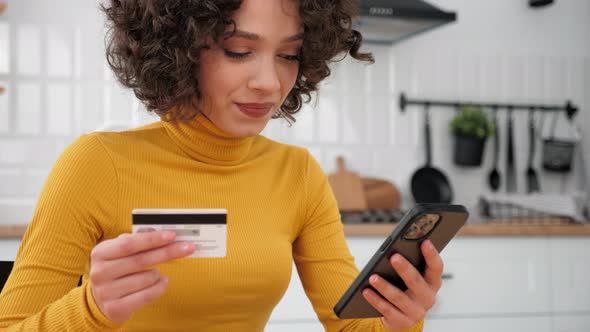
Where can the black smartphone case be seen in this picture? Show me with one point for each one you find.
(452, 218)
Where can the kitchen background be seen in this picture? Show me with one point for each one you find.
(58, 87)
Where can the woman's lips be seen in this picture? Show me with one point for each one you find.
(255, 110)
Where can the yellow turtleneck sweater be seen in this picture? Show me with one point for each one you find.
(280, 210)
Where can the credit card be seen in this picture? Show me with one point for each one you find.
(205, 228)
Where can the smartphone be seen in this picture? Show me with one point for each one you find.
(437, 222)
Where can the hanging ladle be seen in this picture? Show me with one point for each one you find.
(494, 176)
(531, 175)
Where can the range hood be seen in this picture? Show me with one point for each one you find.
(389, 21)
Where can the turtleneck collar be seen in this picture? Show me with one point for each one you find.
(203, 141)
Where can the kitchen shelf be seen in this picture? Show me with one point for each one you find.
(382, 230)
(496, 229)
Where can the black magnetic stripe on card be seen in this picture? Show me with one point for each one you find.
(155, 219)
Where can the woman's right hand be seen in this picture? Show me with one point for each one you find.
(120, 280)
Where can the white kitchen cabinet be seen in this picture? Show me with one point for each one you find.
(571, 274)
(294, 326)
(571, 323)
(513, 324)
(495, 276)
(495, 284)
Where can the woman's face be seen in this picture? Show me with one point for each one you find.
(245, 79)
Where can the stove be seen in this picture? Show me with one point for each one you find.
(372, 216)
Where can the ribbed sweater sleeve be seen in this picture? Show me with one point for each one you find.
(77, 204)
(323, 261)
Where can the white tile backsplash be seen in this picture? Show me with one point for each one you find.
(31, 152)
(4, 48)
(59, 52)
(16, 211)
(304, 129)
(329, 113)
(353, 119)
(13, 152)
(5, 115)
(29, 49)
(118, 104)
(356, 159)
(17, 182)
(89, 111)
(534, 78)
(377, 119)
(78, 40)
(467, 76)
(28, 108)
(379, 75)
(59, 109)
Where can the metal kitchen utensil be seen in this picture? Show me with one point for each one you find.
(494, 176)
(532, 179)
(558, 153)
(430, 185)
(510, 169)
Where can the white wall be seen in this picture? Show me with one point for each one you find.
(52, 63)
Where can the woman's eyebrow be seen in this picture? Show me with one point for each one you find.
(253, 36)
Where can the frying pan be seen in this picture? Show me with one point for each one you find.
(429, 185)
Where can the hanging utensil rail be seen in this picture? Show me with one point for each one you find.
(569, 108)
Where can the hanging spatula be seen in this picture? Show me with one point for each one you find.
(532, 179)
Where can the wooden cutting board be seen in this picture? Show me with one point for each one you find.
(347, 188)
(381, 194)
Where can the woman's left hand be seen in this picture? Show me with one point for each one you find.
(402, 310)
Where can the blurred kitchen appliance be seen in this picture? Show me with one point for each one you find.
(390, 21)
(372, 216)
(530, 209)
(539, 3)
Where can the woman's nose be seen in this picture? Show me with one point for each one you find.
(265, 77)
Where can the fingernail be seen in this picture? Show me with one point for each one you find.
(167, 236)
(430, 245)
(187, 247)
(165, 279)
(374, 278)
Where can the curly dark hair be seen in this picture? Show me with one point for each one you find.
(154, 46)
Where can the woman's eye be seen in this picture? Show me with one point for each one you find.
(236, 55)
(290, 57)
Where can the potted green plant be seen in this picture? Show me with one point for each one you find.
(470, 127)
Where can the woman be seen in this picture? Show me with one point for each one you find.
(216, 72)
